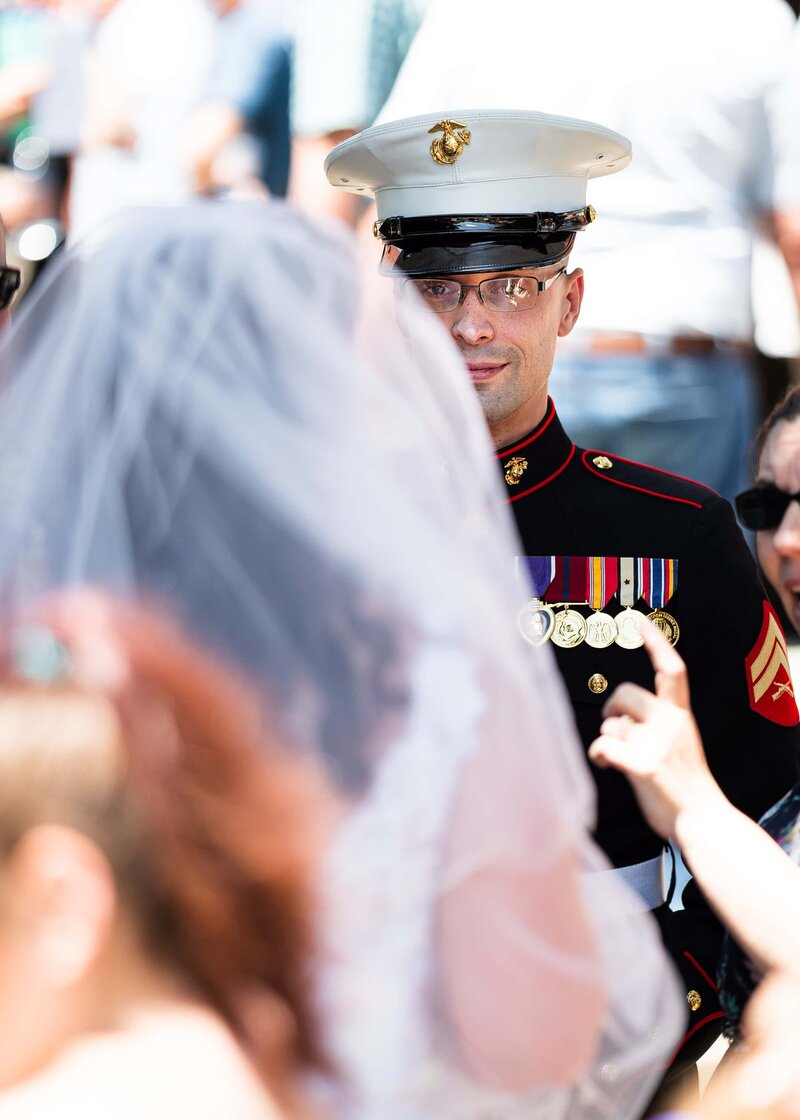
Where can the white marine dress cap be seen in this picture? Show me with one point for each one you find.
(477, 190)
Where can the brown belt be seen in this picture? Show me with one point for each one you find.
(628, 342)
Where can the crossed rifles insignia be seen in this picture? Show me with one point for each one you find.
(447, 148)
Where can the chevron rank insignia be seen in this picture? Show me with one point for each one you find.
(769, 680)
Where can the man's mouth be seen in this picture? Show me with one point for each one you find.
(483, 371)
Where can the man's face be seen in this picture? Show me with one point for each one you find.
(509, 354)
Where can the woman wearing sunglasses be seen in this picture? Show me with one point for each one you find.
(771, 508)
(744, 874)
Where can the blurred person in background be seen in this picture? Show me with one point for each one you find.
(145, 67)
(159, 860)
(33, 172)
(193, 444)
(24, 73)
(660, 367)
(238, 135)
(190, 97)
(347, 57)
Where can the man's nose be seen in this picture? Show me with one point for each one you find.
(787, 535)
(471, 323)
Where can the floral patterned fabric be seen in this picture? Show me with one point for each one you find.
(738, 976)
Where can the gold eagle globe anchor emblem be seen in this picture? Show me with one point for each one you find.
(515, 468)
(447, 148)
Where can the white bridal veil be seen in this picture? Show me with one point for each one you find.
(210, 406)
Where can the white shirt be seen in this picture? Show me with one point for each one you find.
(152, 58)
(707, 93)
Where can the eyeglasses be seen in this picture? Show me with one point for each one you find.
(500, 293)
(763, 507)
(9, 282)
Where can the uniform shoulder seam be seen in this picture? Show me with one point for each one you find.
(648, 480)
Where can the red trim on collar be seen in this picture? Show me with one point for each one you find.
(640, 489)
(530, 439)
(544, 481)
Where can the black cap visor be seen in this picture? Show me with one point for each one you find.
(462, 253)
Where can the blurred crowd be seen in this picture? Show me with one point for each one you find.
(104, 103)
(107, 103)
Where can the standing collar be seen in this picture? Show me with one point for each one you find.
(535, 460)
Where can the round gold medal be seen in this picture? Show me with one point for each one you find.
(667, 625)
(601, 630)
(570, 629)
(628, 624)
(536, 622)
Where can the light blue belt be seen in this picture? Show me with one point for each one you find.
(646, 878)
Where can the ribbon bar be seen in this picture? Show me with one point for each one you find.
(657, 580)
(538, 571)
(603, 580)
(571, 581)
(597, 579)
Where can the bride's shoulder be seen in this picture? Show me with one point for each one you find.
(165, 1067)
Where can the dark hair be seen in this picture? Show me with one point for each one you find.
(787, 409)
(212, 831)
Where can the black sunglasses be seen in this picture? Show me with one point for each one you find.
(763, 507)
(9, 282)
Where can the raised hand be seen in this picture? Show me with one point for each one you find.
(653, 739)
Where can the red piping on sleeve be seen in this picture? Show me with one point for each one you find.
(708, 1019)
(702, 971)
(666, 1065)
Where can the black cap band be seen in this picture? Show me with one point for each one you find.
(461, 253)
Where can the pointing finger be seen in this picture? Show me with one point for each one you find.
(671, 679)
(630, 700)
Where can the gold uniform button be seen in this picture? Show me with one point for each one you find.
(602, 462)
(694, 1000)
(597, 683)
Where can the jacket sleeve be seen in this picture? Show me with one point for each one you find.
(735, 652)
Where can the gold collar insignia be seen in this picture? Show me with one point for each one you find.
(515, 468)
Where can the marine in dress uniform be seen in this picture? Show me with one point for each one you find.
(604, 541)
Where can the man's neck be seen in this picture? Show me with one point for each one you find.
(513, 428)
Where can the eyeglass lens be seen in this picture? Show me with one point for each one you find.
(501, 293)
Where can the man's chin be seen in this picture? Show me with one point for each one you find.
(493, 409)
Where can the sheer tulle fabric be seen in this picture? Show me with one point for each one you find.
(212, 408)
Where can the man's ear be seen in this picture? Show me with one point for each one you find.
(573, 298)
(66, 886)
